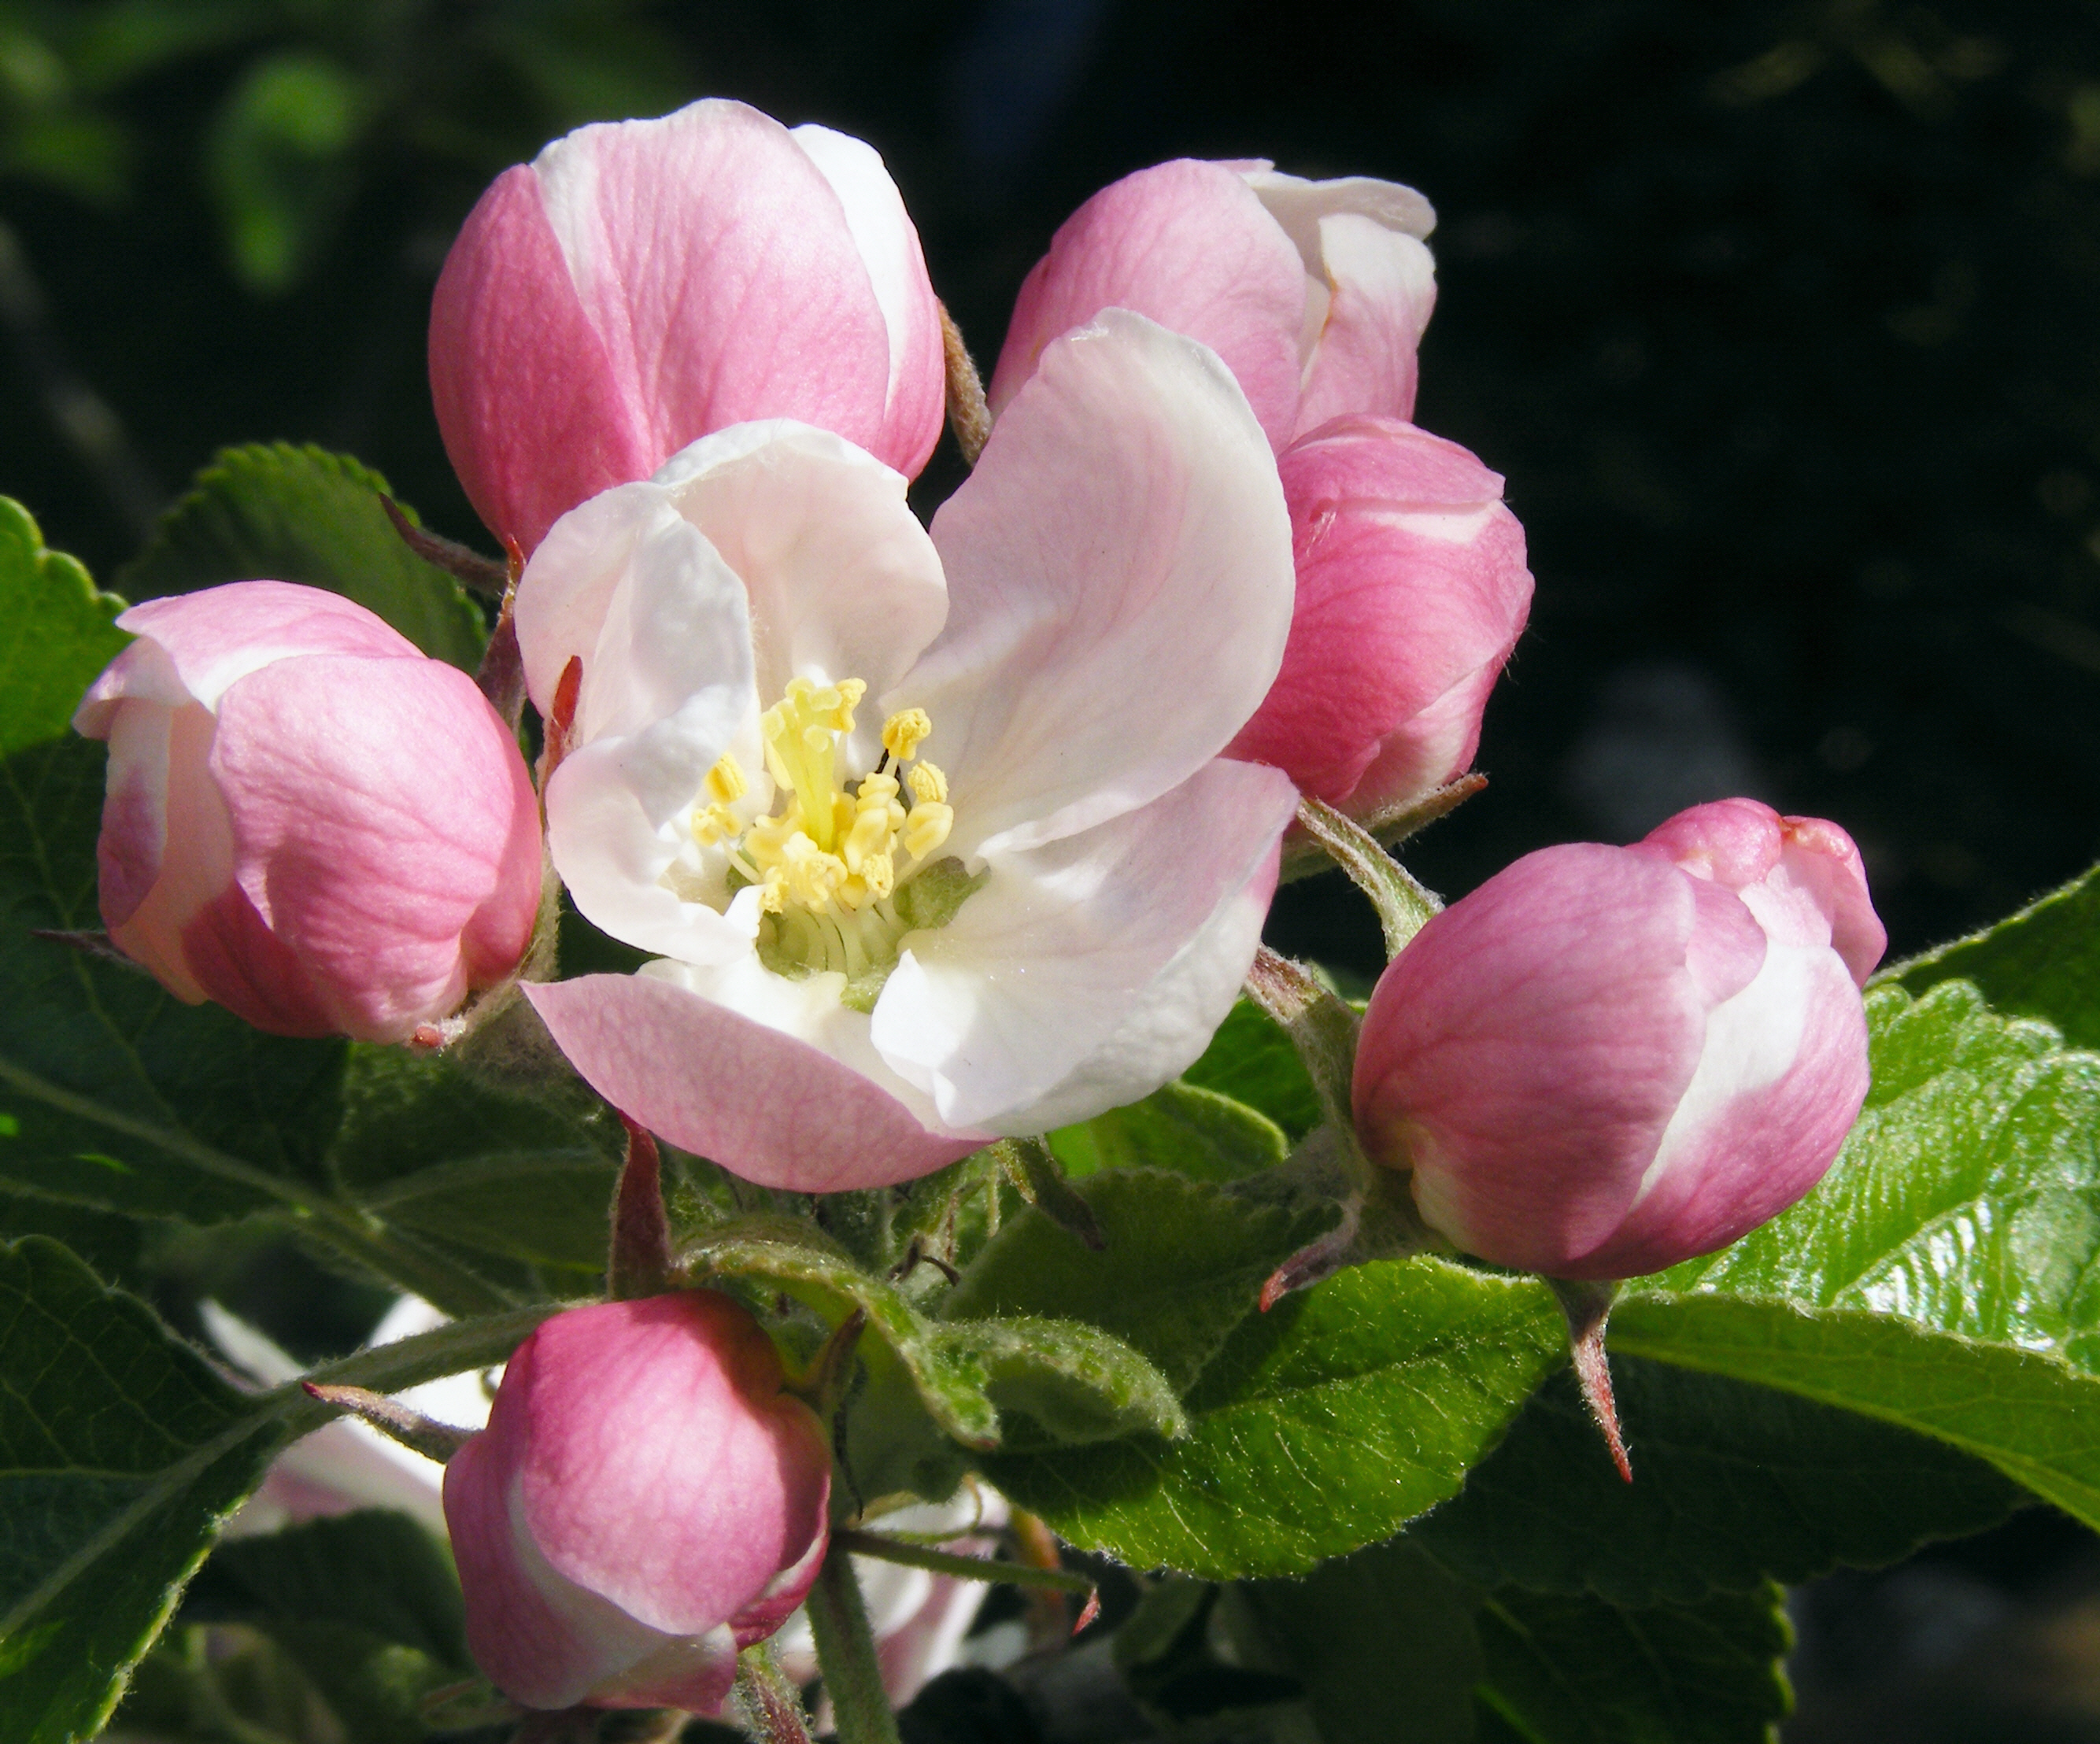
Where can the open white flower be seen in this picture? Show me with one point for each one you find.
(931, 833)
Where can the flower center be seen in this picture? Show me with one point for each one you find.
(842, 875)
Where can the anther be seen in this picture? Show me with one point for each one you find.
(927, 827)
(904, 731)
(929, 786)
(724, 783)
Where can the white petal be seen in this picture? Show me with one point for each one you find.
(842, 579)
(1120, 579)
(667, 689)
(563, 595)
(1298, 205)
(1094, 967)
(1753, 1039)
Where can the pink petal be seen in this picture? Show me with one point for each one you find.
(766, 1105)
(1383, 288)
(196, 929)
(717, 266)
(534, 417)
(1802, 876)
(1428, 749)
(1188, 245)
(1412, 589)
(1757, 1139)
(380, 812)
(134, 816)
(543, 1642)
(193, 645)
(686, 1414)
(917, 406)
(1527, 1050)
(1119, 583)
(1820, 856)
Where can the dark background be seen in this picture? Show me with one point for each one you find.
(1781, 319)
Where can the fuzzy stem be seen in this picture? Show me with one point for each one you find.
(640, 1263)
(766, 1703)
(396, 1421)
(1586, 1304)
(967, 414)
(846, 1654)
(902, 1550)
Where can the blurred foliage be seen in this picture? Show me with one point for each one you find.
(300, 103)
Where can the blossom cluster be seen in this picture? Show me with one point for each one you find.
(935, 834)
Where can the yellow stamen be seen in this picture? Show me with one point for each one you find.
(725, 784)
(929, 786)
(826, 863)
(927, 828)
(906, 731)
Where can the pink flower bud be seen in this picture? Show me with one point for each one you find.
(640, 285)
(1314, 293)
(645, 1501)
(1605, 1060)
(307, 821)
(1412, 590)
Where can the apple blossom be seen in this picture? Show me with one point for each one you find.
(869, 960)
(308, 821)
(641, 284)
(1412, 590)
(1608, 1059)
(1315, 293)
(646, 1500)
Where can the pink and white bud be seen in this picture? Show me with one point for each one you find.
(1314, 293)
(640, 285)
(1605, 1060)
(308, 821)
(646, 1501)
(1412, 590)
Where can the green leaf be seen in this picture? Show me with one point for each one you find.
(113, 1095)
(56, 633)
(1321, 1426)
(366, 1603)
(2029, 1414)
(376, 1571)
(1945, 1275)
(1251, 1060)
(274, 512)
(1382, 1644)
(428, 1148)
(2043, 961)
(120, 1453)
(1194, 1132)
(1579, 1670)
(1733, 1485)
(1184, 1263)
(117, 1098)
(1073, 1381)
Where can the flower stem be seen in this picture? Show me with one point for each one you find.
(845, 1654)
(766, 1703)
(902, 1550)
